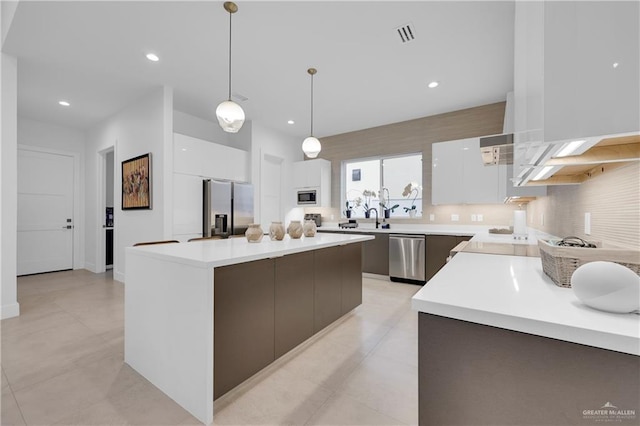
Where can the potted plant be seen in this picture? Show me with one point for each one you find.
(367, 197)
(408, 191)
(347, 212)
(350, 205)
(384, 203)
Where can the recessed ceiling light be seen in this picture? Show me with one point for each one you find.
(433, 84)
(291, 122)
(64, 103)
(153, 57)
(615, 64)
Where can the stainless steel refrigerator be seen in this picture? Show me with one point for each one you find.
(228, 208)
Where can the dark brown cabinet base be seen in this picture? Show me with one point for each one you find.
(263, 309)
(438, 249)
(472, 374)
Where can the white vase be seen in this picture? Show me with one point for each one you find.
(309, 228)
(412, 213)
(295, 229)
(276, 231)
(254, 233)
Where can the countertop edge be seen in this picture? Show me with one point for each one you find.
(232, 260)
(582, 336)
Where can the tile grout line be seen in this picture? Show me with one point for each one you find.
(16, 401)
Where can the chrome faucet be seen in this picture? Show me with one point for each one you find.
(375, 210)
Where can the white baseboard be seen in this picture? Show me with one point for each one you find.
(11, 310)
(91, 267)
(118, 276)
(375, 276)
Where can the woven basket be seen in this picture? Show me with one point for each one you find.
(559, 262)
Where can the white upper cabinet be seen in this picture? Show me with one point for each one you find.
(311, 173)
(576, 76)
(314, 174)
(460, 177)
(591, 69)
(209, 160)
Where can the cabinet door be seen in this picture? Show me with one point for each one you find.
(446, 182)
(327, 287)
(375, 255)
(293, 301)
(243, 322)
(584, 94)
(480, 181)
(351, 258)
(187, 204)
(438, 248)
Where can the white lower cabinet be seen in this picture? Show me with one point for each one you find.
(460, 177)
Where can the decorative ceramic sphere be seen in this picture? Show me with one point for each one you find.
(276, 231)
(309, 228)
(254, 233)
(607, 286)
(295, 229)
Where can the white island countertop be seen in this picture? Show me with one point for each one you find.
(513, 293)
(215, 253)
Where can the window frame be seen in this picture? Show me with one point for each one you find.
(380, 158)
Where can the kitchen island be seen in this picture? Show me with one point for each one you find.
(201, 317)
(500, 343)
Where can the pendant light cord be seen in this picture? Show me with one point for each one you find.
(230, 55)
(311, 104)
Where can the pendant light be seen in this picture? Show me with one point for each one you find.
(311, 145)
(230, 114)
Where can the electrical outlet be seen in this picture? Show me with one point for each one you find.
(480, 218)
(587, 223)
(332, 217)
(542, 219)
(455, 217)
(474, 218)
(432, 217)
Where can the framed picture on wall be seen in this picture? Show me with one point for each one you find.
(355, 175)
(136, 183)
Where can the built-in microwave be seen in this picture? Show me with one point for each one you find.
(308, 197)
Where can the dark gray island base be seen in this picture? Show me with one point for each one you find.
(265, 308)
(472, 374)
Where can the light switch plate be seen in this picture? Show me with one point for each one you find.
(480, 218)
(542, 219)
(432, 216)
(455, 217)
(474, 218)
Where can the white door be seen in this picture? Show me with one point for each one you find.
(45, 212)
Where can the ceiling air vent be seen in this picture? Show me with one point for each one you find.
(406, 33)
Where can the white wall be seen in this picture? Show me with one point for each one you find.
(145, 126)
(65, 140)
(209, 130)
(8, 178)
(265, 140)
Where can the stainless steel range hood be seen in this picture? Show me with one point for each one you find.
(497, 149)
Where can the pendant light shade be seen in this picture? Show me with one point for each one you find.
(311, 145)
(230, 114)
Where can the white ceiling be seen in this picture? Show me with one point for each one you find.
(93, 54)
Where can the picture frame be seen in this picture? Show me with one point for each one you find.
(355, 175)
(136, 183)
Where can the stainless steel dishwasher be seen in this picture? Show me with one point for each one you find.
(407, 259)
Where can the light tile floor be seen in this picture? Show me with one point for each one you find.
(62, 363)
